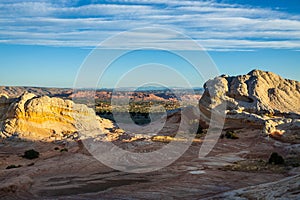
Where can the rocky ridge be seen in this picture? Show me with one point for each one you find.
(258, 99)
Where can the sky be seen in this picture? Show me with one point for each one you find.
(48, 43)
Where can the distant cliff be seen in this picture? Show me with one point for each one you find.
(16, 91)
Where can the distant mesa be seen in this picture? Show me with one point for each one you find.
(16, 91)
(45, 118)
(258, 99)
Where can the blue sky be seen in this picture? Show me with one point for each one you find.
(44, 43)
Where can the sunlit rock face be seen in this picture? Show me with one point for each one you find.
(259, 98)
(45, 118)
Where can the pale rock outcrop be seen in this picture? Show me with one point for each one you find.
(287, 188)
(45, 118)
(13, 185)
(258, 99)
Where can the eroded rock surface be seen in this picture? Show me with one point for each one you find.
(287, 188)
(74, 174)
(258, 99)
(44, 118)
(257, 92)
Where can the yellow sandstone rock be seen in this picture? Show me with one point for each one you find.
(45, 118)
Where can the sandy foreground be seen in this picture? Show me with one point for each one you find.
(75, 174)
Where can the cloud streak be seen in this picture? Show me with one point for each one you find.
(216, 26)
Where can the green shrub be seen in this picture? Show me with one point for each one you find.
(13, 166)
(200, 129)
(31, 154)
(231, 135)
(276, 159)
(64, 149)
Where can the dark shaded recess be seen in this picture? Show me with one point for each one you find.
(137, 117)
(87, 187)
(13, 166)
(276, 159)
(229, 81)
(271, 92)
(140, 118)
(251, 81)
(240, 98)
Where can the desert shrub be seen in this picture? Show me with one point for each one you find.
(276, 159)
(56, 148)
(271, 114)
(200, 130)
(64, 149)
(31, 154)
(231, 135)
(13, 166)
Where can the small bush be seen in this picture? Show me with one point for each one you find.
(31, 154)
(64, 149)
(276, 159)
(56, 148)
(231, 135)
(200, 130)
(271, 114)
(13, 166)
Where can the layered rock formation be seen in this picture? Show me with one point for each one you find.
(45, 118)
(260, 99)
(287, 188)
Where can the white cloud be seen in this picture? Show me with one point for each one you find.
(217, 26)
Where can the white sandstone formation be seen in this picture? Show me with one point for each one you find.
(258, 99)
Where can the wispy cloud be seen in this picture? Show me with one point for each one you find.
(216, 26)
